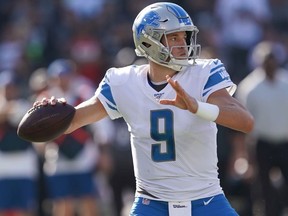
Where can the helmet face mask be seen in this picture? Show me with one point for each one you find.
(152, 26)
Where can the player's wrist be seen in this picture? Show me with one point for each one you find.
(207, 111)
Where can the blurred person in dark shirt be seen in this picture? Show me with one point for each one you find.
(70, 161)
(115, 145)
(18, 159)
(265, 93)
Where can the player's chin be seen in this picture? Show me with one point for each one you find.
(181, 55)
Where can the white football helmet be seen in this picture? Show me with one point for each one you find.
(156, 21)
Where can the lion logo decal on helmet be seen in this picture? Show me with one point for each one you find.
(150, 19)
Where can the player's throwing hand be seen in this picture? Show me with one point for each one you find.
(182, 100)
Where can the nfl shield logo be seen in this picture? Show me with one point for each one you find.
(145, 201)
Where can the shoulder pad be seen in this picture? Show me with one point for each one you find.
(210, 62)
(118, 76)
(215, 62)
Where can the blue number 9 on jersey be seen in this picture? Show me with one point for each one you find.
(162, 130)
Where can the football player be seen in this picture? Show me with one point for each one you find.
(171, 106)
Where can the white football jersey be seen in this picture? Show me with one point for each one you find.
(174, 151)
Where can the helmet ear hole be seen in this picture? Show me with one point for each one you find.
(147, 45)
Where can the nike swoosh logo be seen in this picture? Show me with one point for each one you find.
(208, 201)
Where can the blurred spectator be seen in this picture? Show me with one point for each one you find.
(86, 51)
(38, 83)
(201, 12)
(5, 12)
(70, 160)
(241, 24)
(86, 10)
(11, 47)
(265, 93)
(279, 17)
(18, 159)
(121, 175)
(234, 180)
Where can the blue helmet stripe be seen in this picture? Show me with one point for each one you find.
(180, 13)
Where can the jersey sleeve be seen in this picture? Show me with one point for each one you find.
(105, 94)
(218, 78)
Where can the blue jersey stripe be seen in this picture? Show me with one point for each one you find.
(215, 68)
(106, 91)
(206, 92)
(111, 107)
(215, 78)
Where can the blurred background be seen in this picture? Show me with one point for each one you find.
(95, 35)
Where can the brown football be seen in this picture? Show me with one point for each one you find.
(45, 123)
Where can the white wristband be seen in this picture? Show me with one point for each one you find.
(207, 111)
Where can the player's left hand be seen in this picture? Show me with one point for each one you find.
(182, 99)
